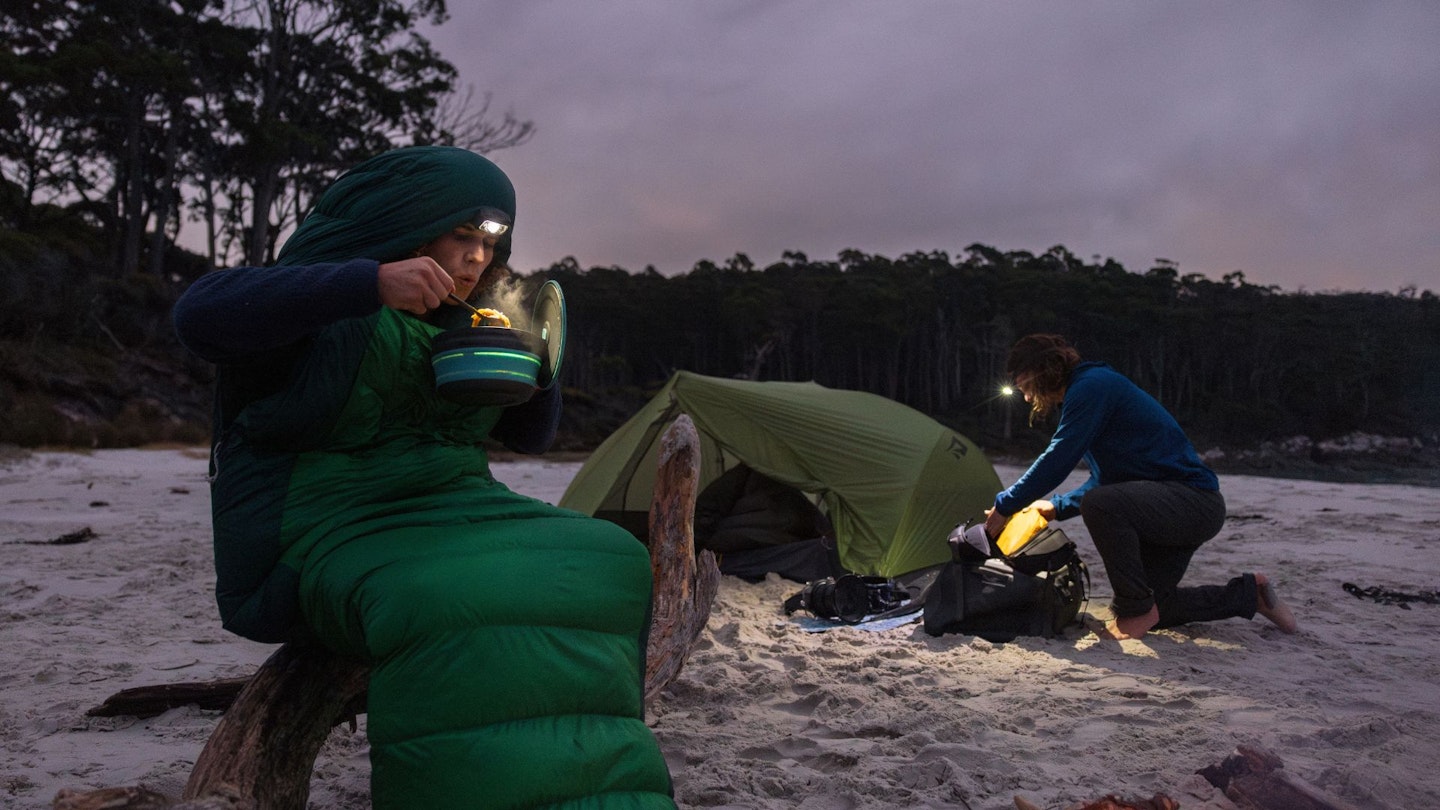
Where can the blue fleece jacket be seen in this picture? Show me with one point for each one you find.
(256, 321)
(1120, 431)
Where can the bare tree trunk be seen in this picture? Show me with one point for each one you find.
(262, 198)
(133, 178)
(757, 360)
(165, 198)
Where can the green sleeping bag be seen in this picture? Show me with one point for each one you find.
(505, 635)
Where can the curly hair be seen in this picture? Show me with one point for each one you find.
(1048, 361)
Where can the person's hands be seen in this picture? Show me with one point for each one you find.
(1045, 508)
(995, 523)
(415, 285)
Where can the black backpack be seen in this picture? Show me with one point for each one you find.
(1038, 590)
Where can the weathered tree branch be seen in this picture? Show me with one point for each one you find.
(265, 744)
(148, 701)
(1255, 779)
(685, 584)
(142, 798)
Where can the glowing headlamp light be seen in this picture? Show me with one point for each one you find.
(491, 228)
(491, 222)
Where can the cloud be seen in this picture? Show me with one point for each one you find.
(1295, 145)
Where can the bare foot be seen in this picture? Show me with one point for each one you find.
(1270, 606)
(1130, 626)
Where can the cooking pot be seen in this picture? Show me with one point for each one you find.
(486, 365)
(499, 365)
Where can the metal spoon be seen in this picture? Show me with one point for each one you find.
(462, 302)
(480, 315)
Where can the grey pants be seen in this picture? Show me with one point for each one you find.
(1146, 532)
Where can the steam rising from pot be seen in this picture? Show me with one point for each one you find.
(507, 295)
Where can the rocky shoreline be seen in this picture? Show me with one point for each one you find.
(1356, 458)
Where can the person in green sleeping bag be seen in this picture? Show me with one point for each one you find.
(353, 507)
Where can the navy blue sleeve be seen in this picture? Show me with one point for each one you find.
(244, 311)
(1081, 416)
(1067, 505)
(530, 427)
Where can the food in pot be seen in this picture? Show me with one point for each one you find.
(484, 314)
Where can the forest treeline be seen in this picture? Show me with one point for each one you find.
(1238, 362)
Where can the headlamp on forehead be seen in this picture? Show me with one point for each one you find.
(491, 222)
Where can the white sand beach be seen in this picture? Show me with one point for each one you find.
(765, 715)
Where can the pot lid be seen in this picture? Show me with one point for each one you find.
(547, 320)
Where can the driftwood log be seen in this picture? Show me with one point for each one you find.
(685, 584)
(1111, 802)
(1252, 778)
(262, 752)
(265, 745)
(142, 798)
(148, 701)
(1255, 779)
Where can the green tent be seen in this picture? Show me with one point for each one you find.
(893, 481)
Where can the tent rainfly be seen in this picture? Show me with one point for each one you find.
(892, 481)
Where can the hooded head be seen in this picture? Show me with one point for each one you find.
(390, 205)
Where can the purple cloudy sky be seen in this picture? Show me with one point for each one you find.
(1298, 142)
